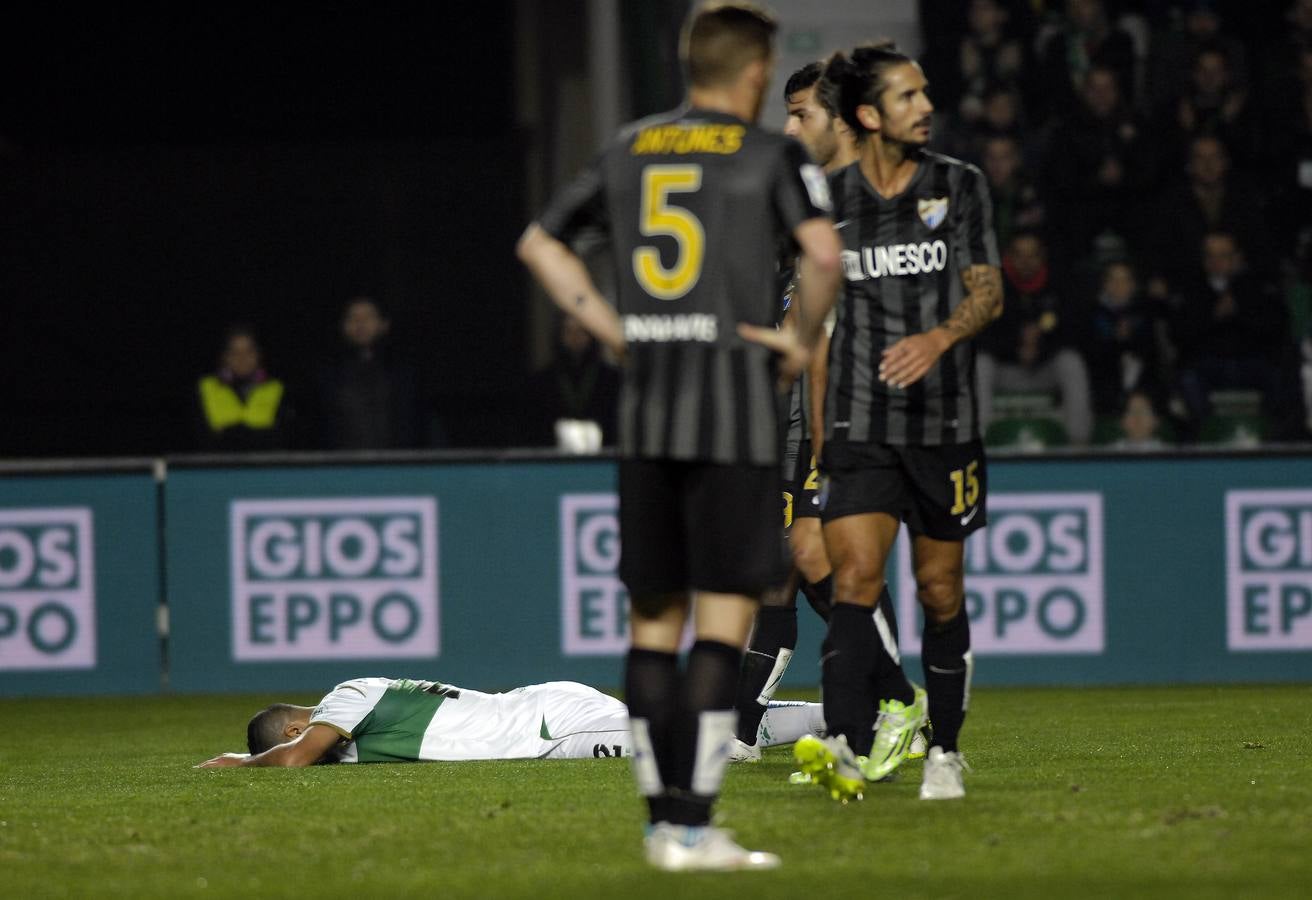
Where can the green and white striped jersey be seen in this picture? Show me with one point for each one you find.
(392, 720)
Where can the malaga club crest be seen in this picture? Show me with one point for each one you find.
(933, 211)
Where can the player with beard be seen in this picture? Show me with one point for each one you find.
(901, 432)
(813, 119)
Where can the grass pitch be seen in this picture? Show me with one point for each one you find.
(1163, 792)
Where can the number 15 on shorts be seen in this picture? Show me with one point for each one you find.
(965, 487)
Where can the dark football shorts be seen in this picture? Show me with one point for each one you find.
(806, 484)
(699, 526)
(941, 492)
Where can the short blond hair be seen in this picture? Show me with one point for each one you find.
(721, 39)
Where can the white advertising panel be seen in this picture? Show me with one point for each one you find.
(334, 579)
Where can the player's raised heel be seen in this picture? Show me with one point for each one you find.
(688, 848)
(830, 763)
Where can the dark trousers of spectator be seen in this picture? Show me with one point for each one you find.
(1216, 373)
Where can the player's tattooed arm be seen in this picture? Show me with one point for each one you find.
(982, 305)
(907, 361)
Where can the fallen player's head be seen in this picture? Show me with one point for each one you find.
(275, 725)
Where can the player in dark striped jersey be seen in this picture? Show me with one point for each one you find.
(694, 203)
(901, 436)
(814, 120)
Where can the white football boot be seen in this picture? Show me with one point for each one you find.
(687, 848)
(943, 776)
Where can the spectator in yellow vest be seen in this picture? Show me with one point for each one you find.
(241, 407)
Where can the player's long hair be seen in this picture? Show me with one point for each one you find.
(858, 80)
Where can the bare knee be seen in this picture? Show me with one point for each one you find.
(859, 582)
(809, 554)
(941, 594)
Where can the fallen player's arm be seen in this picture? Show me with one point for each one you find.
(564, 277)
(907, 361)
(306, 749)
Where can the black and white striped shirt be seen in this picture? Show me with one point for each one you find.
(903, 258)
(694, 203)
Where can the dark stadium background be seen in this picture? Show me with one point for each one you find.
(166, 170)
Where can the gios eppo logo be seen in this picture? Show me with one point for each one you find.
(594, 604)
(47, 589)
(1034, 577)
(334, 579)
(1268, 570)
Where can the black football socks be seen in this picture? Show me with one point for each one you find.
(652, 690)
(820, 595)
(764, 663)
(847, 675)
(890, 680)
(703, 731)
(945, 653)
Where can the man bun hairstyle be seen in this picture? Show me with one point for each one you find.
(860, 79)
(721, 39)
(265, 728)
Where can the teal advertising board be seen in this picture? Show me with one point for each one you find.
(1135, 570)
(79, 584)
(296, 578)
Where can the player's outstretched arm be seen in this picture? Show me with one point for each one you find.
(564, 277)
(793, 356)
(819, 273)
(306, 749)
(907, 361)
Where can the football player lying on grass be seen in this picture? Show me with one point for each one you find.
(402, 720)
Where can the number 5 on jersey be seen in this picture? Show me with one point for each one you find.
(658, 218)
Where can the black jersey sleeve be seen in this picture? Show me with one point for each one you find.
(975, 242)
(579, 207)
(801, 190)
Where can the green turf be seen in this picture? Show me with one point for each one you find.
(1179, 792)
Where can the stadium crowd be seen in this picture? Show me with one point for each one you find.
(1150, 166)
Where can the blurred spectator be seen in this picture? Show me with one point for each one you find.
(1299, 299)
(1231, 332)
(368, 399)
(1099, 161)
(1123, 351)
(1214, 103)
(1209, 200)
(987, 57)
(1197, 25)
(1282, 61)
(240, 407)
(1086, 39)
(1140, 424)
(578, 385)
(1290, 134)
(1016, 202)
(1033, 346)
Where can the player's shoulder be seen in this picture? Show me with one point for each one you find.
(362, 687)
(844, 183)
(629, 131)
(955, 169)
